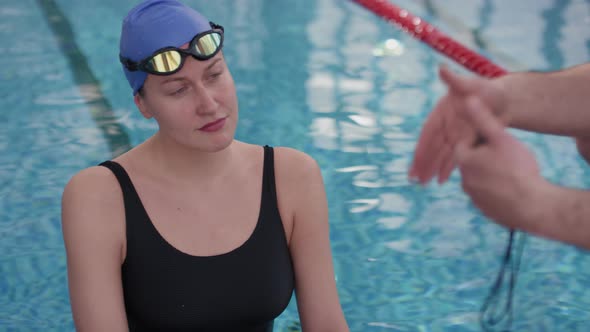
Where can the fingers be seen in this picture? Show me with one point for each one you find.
(437, 160)
(447, 167)
(454, 81)
(429, 143)
(488, 127)
(434, 155)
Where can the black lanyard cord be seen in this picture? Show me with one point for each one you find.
(493, 317)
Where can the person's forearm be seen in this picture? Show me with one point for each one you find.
(553, 103)
(560, 214)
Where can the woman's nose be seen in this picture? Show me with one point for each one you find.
(206, 103)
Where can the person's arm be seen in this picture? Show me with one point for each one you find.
(553, 102)
(503, 180)
(315, 285)
(94, 228)
(561, 214)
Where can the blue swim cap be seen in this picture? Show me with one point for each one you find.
(152, 25)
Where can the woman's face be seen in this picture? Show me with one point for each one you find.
(196, 107)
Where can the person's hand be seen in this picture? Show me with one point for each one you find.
(444, 127)
(501, 176)
(583, 144)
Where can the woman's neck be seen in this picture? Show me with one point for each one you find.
(186, 163)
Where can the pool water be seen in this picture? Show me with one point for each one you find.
(313, 75)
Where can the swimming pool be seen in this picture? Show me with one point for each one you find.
(312, 77)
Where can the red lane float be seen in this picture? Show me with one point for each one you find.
(425, 32)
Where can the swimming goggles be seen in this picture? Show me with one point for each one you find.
(169, 60)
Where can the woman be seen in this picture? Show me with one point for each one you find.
(192, 229)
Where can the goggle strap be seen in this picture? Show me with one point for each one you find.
(216, 26)
(128, 63)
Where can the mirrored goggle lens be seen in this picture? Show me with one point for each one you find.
(164, 62)
(206, 45)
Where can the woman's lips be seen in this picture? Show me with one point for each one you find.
(213, 126)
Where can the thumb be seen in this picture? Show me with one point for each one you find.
(488, 127)
(454, 81)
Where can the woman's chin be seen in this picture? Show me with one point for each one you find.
(215, 143)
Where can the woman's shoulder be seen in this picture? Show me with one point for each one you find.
(294, 158)
(93, 217)
(288, 161)
(94, 177)
(295, 166)
(96, 185)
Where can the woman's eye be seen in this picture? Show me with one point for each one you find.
(179, 91)
(215, 75)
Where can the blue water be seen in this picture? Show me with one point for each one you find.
(407, 258)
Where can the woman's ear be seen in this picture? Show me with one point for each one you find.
(140, 102)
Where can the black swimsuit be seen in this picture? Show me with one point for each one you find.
(242, 290)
